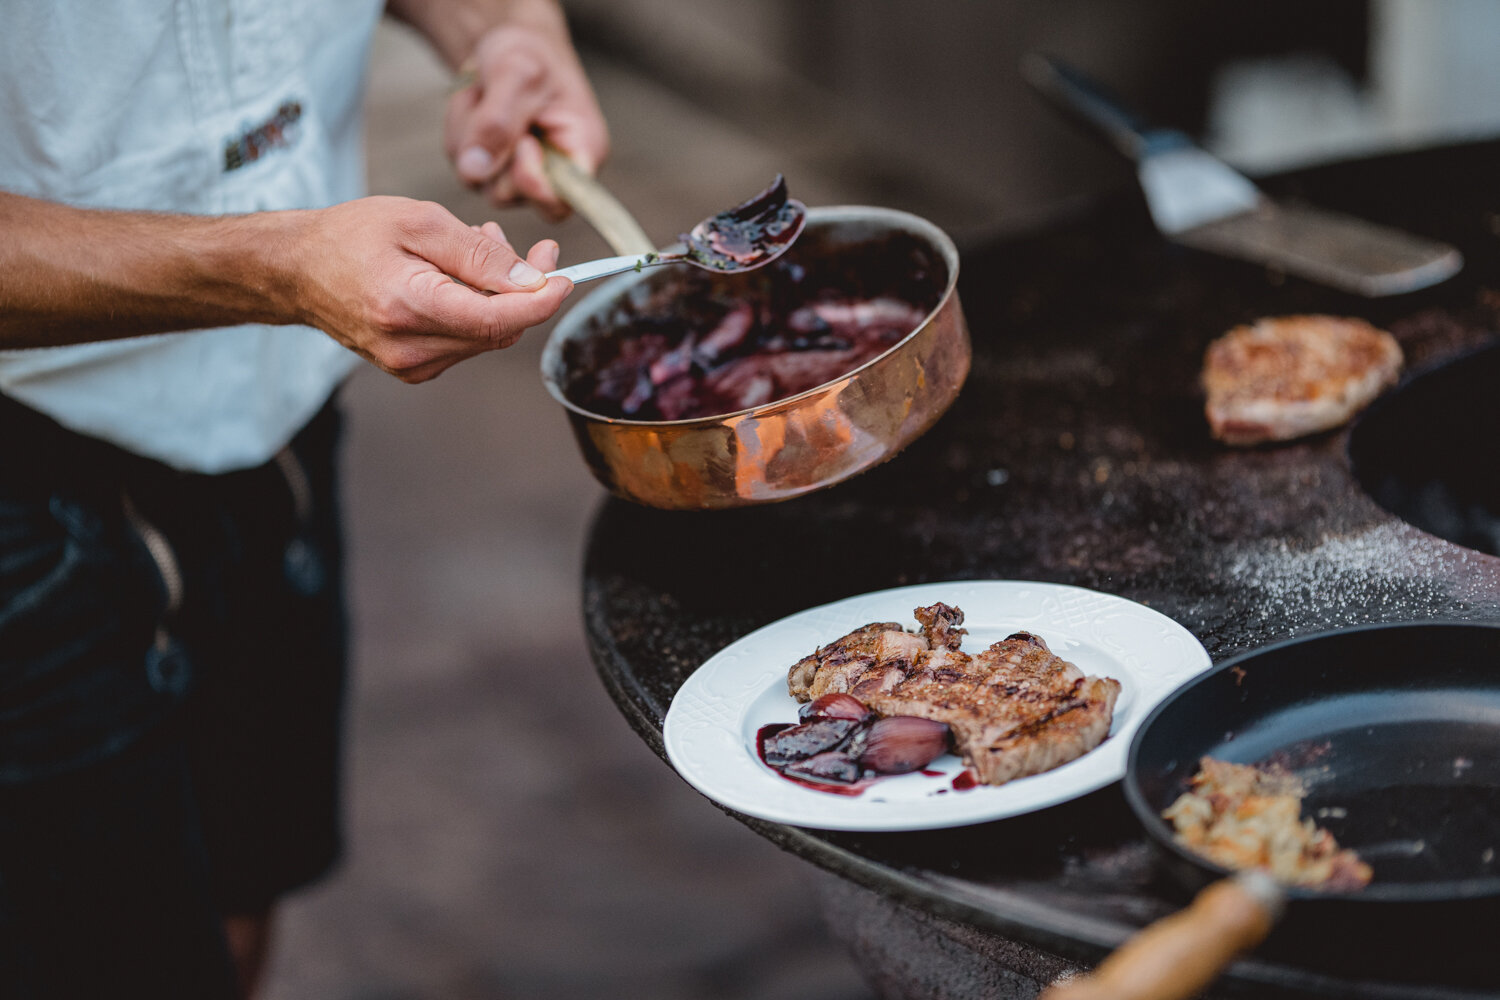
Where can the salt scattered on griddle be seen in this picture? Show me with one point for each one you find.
(1387, 572)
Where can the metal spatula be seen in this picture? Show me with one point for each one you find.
(1198, 200)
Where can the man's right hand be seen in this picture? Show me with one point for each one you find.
(376, 274)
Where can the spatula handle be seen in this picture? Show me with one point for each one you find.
(1176, 957)
(1086, 98)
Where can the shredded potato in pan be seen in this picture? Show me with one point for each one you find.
(1241, 816)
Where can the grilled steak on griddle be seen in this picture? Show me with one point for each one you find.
(1288, 376)
(1015, 709)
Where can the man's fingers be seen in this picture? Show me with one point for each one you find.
(543, 256)
(476, 259)
(512, 315)
(411, 288)
(461, 323)
(489, 322)
(508, 102)
(502, 192)
(456, 120)
(528, 176)
(491, 230)
(497, 319)
(577, 127)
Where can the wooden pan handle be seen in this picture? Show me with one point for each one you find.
(1178, 956)
(594, 203)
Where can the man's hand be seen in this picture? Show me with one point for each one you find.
(526, 82)
(378, 276)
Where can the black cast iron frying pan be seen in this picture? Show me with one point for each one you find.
(1395, 731)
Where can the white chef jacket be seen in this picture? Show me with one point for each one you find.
(198, 106)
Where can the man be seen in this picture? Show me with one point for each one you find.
(187, 273)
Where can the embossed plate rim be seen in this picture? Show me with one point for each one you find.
(710, 725)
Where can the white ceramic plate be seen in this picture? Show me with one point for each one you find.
(711, 725)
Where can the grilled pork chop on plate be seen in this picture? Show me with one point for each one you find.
(1015, 709)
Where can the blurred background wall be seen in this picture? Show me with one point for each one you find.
(921, 103)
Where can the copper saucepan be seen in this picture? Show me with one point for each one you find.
(805, 442)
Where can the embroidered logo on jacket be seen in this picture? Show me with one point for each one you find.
(279, 131)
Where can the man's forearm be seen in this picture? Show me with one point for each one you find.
(70, 275)
(454, 27)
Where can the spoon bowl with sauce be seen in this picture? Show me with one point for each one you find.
(738, 239)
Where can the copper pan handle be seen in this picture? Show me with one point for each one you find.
(1179, 955)
(594, 203)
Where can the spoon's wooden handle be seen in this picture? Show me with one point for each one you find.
(1178, 956)
(591, 200)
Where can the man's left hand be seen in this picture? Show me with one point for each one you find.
(528, 85)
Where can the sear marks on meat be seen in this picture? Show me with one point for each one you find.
(940, 626)
(1015, 709)
(878, 654)
(1285, 377)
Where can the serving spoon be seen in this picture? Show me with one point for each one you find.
(742, 238)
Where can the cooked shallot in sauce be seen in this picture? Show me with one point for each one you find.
(841, 746)
(750, 234)
(695, 344)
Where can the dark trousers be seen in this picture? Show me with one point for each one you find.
(172, 651)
